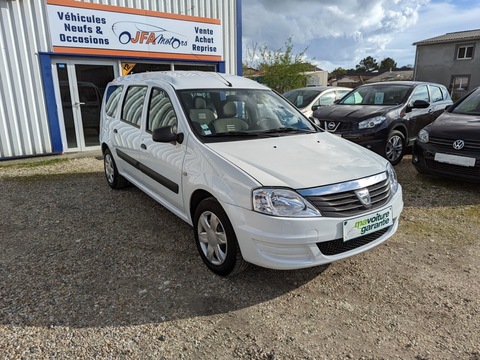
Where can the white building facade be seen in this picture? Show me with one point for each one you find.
(56, 57)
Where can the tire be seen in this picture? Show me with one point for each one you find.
(216, 240)
(114, 179)
(395, 147)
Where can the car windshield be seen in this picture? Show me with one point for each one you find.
(377, 95)
(242, 113)
(301, 97)
(470, 105)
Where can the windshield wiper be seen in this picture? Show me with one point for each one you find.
(235, 133)
(286, 130)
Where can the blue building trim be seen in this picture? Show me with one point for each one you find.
(239, 37)
(52, 114)
(45, 59)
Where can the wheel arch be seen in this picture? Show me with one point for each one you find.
(196, 198)
(104, 148)
(400, 127)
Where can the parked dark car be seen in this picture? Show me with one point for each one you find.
(450, 146)
(385, 117)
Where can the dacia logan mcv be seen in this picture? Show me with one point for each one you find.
(255, 178)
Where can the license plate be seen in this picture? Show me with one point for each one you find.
(455, 159)
(366, 224)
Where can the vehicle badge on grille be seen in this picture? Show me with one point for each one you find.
(331, 125)
(458, 144)
(364, 196)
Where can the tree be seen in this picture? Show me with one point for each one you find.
(368, 64)
(388, 64)
(280, 69)
(338, 71)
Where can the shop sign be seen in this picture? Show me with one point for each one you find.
(86, 28)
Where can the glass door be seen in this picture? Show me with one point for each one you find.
(80, 87)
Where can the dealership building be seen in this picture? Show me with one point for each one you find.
(56, 57)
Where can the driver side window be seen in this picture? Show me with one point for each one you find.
(420, 93)
(160, 111)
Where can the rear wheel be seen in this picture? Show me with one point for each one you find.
(216, 240)
(114, 179)
(395, 147)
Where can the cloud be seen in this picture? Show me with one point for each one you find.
(343, 33)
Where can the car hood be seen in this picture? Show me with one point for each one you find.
(301, 161)
(351, 112)
(461, 126)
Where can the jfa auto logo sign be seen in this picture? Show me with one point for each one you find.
(139, 33)
(85, 28)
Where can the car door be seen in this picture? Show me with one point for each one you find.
(417, 118)
(438, 101)
(126, 131)
(162, 163)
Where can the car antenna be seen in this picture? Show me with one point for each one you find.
(229, 84)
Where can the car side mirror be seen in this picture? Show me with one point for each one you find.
(420, 104)
(166, 135)
(337, 101)
(315, 107)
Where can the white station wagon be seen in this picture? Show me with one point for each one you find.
(255, 178)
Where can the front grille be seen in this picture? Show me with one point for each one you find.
(454, 169)
(340, 126)
(448, 143)
(346, 203)
(338, 246)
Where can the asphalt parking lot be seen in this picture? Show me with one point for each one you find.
(88, 272)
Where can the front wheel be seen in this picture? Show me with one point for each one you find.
(395, 147)
(216, 240)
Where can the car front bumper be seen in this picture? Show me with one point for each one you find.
(294, 243)
(424, 160)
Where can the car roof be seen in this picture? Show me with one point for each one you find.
(404, 82)
(320, 88)
(190, 80)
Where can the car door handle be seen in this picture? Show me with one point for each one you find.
(143, 146)
(115, 131)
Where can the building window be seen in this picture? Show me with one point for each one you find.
(460, 82)
(465, 52)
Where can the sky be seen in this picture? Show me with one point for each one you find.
(341, 33)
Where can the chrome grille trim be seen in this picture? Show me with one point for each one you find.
(342, 187)
(340, 200)
(448, 143)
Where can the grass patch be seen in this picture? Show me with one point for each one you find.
(34, 164)
(33, 178)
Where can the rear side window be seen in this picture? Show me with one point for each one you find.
(133, 105)
(436, 93)
(112, 94)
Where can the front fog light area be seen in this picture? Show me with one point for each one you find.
(282, 202)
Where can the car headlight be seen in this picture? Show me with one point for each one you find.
(282, 202)
(392, 176)
(423, 136)
(372, 122)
